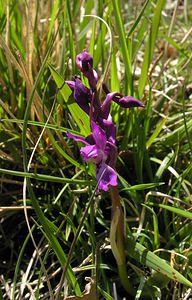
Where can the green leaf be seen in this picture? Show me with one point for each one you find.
(52, 19)
(50, 234)
(70, 36)
(155, 227)
(166, 162)
(143, 186)
(85, 25)
(174, 172)
(150, 46)
(178, 134)
(135, 24)
(156, 132)
(181, 212)
(151, 260)
(125, 49)
(44, 177)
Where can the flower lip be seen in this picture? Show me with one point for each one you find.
(101, 150)
(92, 153)
(106, 176)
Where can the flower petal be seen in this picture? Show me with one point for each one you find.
(92, 153)
(98, 135)
(107, 103)
(76, 138)
(129, 101)
(92, 78)
(111, 152)
(110, 130)
(82, 95)
(84, 61)
(123, 101)
(106, 175)
(71, 84)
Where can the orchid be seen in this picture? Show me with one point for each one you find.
(81, 93)
(101, 152)
(100, 147)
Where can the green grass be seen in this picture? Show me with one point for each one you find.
(55, 227)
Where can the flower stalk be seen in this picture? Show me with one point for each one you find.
(117, 239)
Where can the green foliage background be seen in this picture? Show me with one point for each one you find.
(51, 215)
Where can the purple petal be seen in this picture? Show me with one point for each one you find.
(76, 138)
(98, 135)
(105, 88)
(107, 102)
(109, 176)
(92, 153)
(92, 77)
(111, 149)
(71, 84)
(128, 101)
(110, 130)
(81, 90)
(84, 61)
(125, 101)
(82, 95)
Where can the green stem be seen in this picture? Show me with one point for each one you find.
(117, 239)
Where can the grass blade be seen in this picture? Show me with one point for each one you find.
(126, 55)
(156, 132)
(44, 177)
(151, 260)
(181, 212)
(132, 29)
(150, 46)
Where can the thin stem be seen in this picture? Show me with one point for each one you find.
(116, 205)
(117, 239)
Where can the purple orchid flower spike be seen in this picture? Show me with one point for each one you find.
(100, 147)
(84, 62)
(81, 93)
(102, 153)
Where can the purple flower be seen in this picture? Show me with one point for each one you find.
(84, 62)
(109, 176)
(100, 147)
(102, 152)
(81, 93)
(123, 101)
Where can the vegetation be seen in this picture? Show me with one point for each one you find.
(57, 236)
